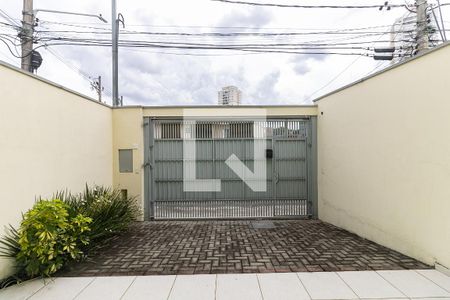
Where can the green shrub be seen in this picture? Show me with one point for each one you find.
(49, 236)
(110, 211)
(57, 231)
(10, 248)
(9, 244)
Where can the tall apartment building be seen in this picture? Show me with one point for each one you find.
(229, 95)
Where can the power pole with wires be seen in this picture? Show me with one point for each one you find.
(98, 87)
(116, 19)
(26, 35)
(115, 90)
(422, 26)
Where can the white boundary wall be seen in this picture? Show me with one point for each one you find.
(384, 158)
(50, 139)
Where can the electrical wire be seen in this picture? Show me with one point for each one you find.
(212, 48)
(80, 25)
(310, 6)
(341, 46)
(9, 19)
(2, 39)
(334, 41)
(69, 65)
(290, 48)
(74, 68)
(220, 34)
(50, 36)
(340, 73)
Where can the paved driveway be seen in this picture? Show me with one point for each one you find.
(212, 247)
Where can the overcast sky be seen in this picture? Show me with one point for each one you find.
(150, 77)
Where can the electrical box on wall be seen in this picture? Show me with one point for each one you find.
(125, 160)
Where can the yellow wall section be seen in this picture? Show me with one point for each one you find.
(129, 134)
(50, 140)
(384, 158)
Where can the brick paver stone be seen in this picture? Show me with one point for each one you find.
(214, 247)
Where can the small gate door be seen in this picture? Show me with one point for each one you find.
(290, 174)
(287, 175)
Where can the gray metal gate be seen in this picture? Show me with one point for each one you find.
(290, 171)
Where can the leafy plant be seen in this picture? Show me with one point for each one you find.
(110, 211)
(9, 244)
(10, 248)
(49, 236)
(55, 232)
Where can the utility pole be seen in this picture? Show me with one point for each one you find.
(422, 26)
(116, 20)
(98, 87)
(115, 55)
(26, 34)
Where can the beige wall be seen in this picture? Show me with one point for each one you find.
(129, 134)
(384, 158)
(50, 139)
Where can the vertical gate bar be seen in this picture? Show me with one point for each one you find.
(244, 159)
(153, 196)
(147, 137)
(213, 155)
(312, 180)
(187, 125)
(275, 161)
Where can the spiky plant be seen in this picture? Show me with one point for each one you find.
(110, 211)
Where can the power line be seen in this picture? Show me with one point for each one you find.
(348, 34)
(224, 34)
(5, 41)
(70, 24)
(295, 51)
(198, 46)
(335, 45)
(55, 35)
(313, 6)
(380, 64)
(72, 67)
(49, 36)
(9, 19)
(287, 48)
(8, 58)
(69, 65)
(273, 48)
(342, 72)
(333, 79)
(190, 54)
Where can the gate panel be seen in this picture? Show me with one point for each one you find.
(291, 175)
(287, 171)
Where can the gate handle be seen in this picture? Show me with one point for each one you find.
(276, 177)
